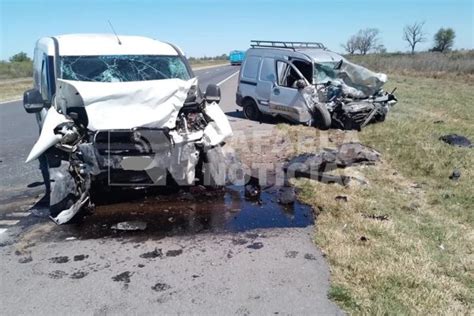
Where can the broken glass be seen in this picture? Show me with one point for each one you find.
(324, 72)
(122, 68)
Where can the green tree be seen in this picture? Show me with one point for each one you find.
(444, 40)
(20, 57)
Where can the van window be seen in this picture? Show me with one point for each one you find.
(282, 70)
(306, 69)
(251, 67)
(267, 72)
(44, 80)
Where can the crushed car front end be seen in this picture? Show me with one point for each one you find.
(128, 120)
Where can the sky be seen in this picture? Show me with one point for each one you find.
(213, 27)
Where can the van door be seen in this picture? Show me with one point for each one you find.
(266, 78)
(285, 99)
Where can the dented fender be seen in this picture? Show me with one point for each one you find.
(47, 137)
(219, 128)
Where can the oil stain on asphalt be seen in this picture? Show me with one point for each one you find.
(185, 212)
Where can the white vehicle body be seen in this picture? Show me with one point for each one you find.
(273, 76)
(126, 110)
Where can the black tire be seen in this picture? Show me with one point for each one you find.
(251, 110)
(321, 117)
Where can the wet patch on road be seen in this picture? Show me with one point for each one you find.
(255, 245)
(57, 274)
(80, 257)
(123, 277)
(157, 253)
(160, 287)
(60, 259)
(78, 275)
(174, 253)
(163, 212)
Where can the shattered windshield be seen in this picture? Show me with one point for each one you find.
(122, 68)
(324, 72)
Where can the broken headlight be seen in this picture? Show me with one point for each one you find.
(70, 133)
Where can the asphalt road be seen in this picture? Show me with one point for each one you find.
(211, 255)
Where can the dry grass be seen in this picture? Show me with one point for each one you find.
(13, 89)
(420, 260)
(454, 65)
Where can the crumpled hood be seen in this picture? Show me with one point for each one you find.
(124, 105)
(361, 78)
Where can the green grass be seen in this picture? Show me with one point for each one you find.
(421, 260)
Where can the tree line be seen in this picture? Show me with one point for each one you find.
(368, 40)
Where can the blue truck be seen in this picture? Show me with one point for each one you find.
(236, 57)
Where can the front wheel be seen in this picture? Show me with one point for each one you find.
(321, 116)
(251, 110)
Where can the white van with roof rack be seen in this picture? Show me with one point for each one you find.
(306, 83)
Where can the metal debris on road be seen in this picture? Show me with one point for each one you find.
(316, 166)
(130, 225)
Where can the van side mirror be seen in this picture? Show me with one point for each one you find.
(213, 93)
(32, 101)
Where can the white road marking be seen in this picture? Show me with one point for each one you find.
(8, 222)
(18, 214)
(227, 78)
(3, 230)
(10, 101)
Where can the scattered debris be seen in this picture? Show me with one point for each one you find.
(252, 189)
(291, 254)
(57, 274)
(341, 198)
(286, 195)
(174, 253)
(25, 259)
(157, 253)
(456, 140)
(61, 259)
(160, 287)
(80, 257)
(255, 245)
(316, 166)
(455, 175)
(377, 217)
(130, 225)
(123, 277)
(78, 275)
(239, 241)
(309, 256)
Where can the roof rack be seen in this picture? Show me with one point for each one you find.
(288, 45)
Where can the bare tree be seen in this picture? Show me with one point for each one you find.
(367, 40)
(414, 34)
(351, 45)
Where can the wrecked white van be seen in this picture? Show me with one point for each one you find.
(306, 83)
(124, 111)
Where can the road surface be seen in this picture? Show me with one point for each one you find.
(201, 256)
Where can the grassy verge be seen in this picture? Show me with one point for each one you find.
(13, 89)
(420, 260)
